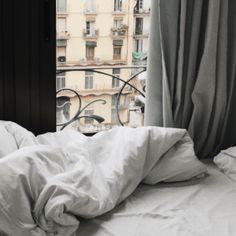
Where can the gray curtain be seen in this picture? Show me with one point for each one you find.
(192, 71)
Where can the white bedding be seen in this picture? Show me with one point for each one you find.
(226, 161)
(207, 208)
(50, 181)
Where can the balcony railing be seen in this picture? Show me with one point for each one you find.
(141, 11)
(128, 89)
(63, 34)
(91, 34)
(90, 11)
(119, 31)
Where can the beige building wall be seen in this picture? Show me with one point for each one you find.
(103, 16)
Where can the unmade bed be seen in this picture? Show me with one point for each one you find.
(201, 208)
(123, 182)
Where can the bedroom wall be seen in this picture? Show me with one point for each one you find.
(27, 63)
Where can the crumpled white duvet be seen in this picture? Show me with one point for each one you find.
(48, 185)
(226, 161)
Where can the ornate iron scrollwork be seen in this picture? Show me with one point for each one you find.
(63, 101)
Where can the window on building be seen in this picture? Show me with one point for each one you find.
(117, 5)
(89, 46)
(61, 80)
(61, 43)
(117, 52)
(90, 53)
(115, 81)
(61, 24)
(88, 80)
(140, 4)
(61, 51)
(139, 25)
(61, 5)
(90, 29)
(138, 45)
(117, 25)
(90, 6)
(88, 120)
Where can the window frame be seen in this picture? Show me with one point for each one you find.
(115, 81)
(139, 45)
(140, 4)
(88, 80)
(61, 81)
(61, 6)
(138, 25)
(117, 5)
(90, 53)
(90, 28)
(117, 48)
(90, 5)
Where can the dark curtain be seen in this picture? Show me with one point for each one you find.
(27, 63)
(191, 71)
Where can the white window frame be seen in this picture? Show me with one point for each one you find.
(139, 26)
(90, 28)
(116, 49)
(90, 6)
(88, 80)
(61, 80)
(90, 51)
(61, 5)
(116, 82)
(139, 45)
(140, 4)
(61, 25)
(117, 5)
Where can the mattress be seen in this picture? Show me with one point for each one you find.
(205, 208)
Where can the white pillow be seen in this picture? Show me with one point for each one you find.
(226, 161)
(178, 164)
(7, 142)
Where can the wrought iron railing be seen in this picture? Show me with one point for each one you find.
(63, 100)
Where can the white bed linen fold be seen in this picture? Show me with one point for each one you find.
(226, 161)
(207, 208)
(45, 188)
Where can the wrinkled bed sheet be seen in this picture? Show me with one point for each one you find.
(207, 208)
(50, 182)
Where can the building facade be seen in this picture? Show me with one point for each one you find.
(109, 37)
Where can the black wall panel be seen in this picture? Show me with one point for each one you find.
(27, 63)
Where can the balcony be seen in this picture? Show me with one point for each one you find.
(109, 106)
(62, 13)
(63, 35)
(141, 36)
(91, 35)
(119, 32)
(118, 12)
(92, 11)
(141, 12)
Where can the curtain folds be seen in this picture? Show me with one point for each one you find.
(191, 71)
(27, 64)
